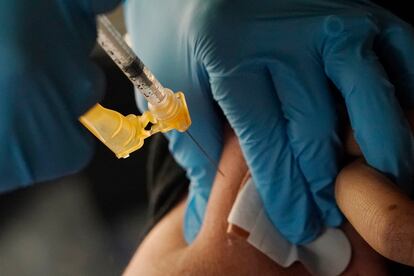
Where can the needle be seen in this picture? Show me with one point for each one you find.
(212, 162)
(142, 78)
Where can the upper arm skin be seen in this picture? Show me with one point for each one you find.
(165, 252)
(214, 252)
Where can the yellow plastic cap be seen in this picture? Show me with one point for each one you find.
(121, 134)
(125, 134)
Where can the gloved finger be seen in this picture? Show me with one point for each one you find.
(46, 138)
(379, 125)
(83, 82)
(47, 82)
(395, 47)
(206, 129)
(253, 110)
(312, 128)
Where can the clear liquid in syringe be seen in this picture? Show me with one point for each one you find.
(113, 43)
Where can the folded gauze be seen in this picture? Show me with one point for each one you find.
(328, 255)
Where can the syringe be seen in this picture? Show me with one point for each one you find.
(167, 110)
(115, 46)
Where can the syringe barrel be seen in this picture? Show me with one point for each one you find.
(114, 45)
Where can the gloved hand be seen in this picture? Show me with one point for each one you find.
(46, 82)
(268, 65)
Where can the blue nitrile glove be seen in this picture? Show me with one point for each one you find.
(267, 64)
(46, 82)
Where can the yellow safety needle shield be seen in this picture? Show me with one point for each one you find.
(125, 134)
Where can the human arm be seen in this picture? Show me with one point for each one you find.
(214, 252)
(164, 250)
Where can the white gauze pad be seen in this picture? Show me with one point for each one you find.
(328, 255)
